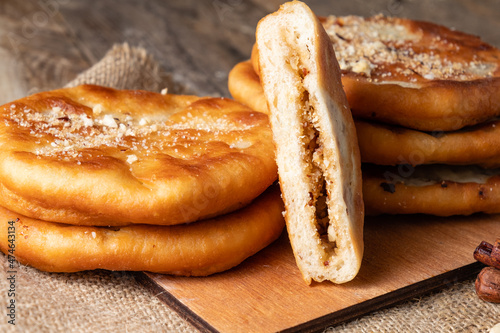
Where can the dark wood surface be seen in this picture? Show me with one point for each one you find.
(45, 43)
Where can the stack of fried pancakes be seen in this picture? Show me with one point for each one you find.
(92, 177)
(425, 100)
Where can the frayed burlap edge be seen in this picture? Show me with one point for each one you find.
(126, 67)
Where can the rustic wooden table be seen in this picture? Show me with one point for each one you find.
(45, 43)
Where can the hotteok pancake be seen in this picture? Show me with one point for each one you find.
(385, 144)
(198, 248)
(92, 155)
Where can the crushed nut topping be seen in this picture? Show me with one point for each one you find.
(68, 134)
(381, 47)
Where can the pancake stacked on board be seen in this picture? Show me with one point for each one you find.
(92, 177)
(425, 100)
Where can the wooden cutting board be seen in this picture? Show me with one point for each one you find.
(405, 256)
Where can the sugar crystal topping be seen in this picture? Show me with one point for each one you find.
(67, 135)
(367, 46)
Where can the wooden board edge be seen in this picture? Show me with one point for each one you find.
(171, 301)
(331, 320)
(395, 297)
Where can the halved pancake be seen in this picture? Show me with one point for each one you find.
(441, 190)
(199, 248)
(415, 74)
(316, 147)
(391, 145)
(91, 155)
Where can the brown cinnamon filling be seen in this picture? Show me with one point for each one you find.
(319, 194)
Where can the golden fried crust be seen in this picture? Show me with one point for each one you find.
(459, 191)
(444, 106)
(414, 74)
(200, 248)
(244, 86)
(391, 145)
(97, 156)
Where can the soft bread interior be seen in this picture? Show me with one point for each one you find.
(317, 153)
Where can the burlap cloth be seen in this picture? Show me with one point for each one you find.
(102, 301)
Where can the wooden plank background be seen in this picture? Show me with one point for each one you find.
(45, 43)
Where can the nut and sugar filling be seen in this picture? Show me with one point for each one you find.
(312, 154)
(319, 196)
